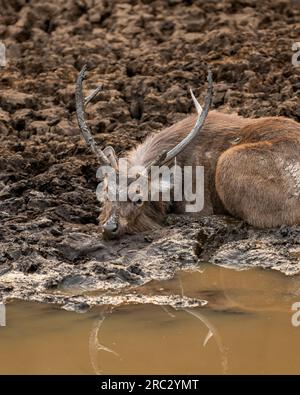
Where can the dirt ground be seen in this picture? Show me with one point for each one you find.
(146, 54)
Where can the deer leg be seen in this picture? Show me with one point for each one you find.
(260, 183)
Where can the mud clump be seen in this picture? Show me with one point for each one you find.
(146, 55)
(234, 244)
(76, 268)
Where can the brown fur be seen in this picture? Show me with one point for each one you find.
(252, 170)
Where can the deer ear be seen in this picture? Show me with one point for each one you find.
(111, 155)
(100, 192)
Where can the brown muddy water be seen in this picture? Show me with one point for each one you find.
(246, 327)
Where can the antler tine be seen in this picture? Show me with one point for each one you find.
(90, 97)
(202, 114)
(80, 105)
(196, 103)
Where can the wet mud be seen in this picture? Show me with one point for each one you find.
(146, 54)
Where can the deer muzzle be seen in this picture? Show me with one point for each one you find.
(110, 228)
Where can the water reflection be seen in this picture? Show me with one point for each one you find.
(98, 350)
(95, 346)
(244, 328)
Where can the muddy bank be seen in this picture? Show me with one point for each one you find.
(146, 54)
(79, 270)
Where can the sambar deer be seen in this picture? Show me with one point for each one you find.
(252, 167)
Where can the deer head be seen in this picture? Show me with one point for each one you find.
(138, 213)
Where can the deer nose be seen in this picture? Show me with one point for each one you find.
(110, 229)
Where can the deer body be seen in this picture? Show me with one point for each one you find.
(251, 168)
(219, 132)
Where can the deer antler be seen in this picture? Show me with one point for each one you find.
(166, 157)
(81, 102)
